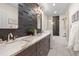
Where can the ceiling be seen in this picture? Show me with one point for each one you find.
(50, 9)
(13, 4)
(54, 9)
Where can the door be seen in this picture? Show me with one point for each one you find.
(55, 25)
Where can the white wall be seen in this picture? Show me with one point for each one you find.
(61, 25)
(50, 28)
(67, 24)
(50, 24)
(47, 26)
(68, 19)
(72, 9)
(64, 25)
(44, 21)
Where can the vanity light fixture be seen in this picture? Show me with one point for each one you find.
(51, 23)
(38, 10)
(55, 12)
(54, 4)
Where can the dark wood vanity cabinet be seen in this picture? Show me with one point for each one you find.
(43, 46)
(30, 51)
(40, 48)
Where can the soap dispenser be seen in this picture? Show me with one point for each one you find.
(35, 32)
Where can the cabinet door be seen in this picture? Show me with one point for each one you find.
(47, 44)
(30, 51)
(43, 46)
(38, 49)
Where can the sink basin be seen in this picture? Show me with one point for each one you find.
(10, 41)
(16, 45)
(29, 39)
(24, 38)
(12, 48)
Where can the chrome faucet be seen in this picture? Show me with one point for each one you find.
(10, 35)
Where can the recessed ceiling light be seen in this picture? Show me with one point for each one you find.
(55, 12)
(54, 4)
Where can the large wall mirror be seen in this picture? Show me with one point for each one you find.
(8, 16)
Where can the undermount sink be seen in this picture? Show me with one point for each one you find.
(17, 44)
(10, 41)
(29, 39)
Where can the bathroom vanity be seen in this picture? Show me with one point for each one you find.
(25, 17)
(37, 45)
(40, 48)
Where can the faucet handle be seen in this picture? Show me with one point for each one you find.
(13, 36)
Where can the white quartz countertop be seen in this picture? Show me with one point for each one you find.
(13, 48)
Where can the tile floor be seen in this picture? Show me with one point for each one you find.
(60, 47)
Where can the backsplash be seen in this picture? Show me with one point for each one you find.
(27, 18)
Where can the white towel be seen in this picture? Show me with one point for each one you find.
(76, 42)
(73, 37)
